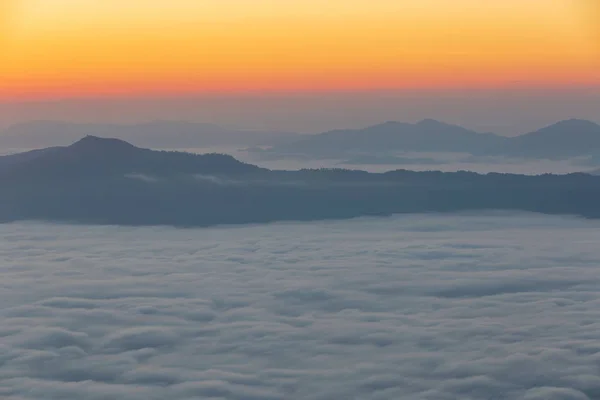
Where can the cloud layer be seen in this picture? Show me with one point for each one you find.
(417, 307)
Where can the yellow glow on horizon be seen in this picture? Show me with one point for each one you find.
(54, 48)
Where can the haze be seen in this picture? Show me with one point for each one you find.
(298, 65)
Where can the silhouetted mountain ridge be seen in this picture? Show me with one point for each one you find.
(570, 138)
(425, 136)
(95, 156)
(103, 181)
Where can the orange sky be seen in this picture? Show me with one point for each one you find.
(96, 48)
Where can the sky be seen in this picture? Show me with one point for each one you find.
(56, 55)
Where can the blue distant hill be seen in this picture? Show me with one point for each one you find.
(564, 139)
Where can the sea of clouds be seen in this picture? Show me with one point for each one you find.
(436, 307)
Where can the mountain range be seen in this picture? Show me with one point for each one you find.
(425, 136)
(93, 157)
(565, 139)
(570, 138)
(109, 181)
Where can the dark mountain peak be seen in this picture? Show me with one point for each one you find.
(574, 123)
(98, 157)
(91, 140)
(95, 143)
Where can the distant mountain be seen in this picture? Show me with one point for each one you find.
(564, 139)
(92, 156)
(426, 136)
(109, 181)
(160, 135)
